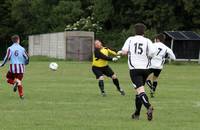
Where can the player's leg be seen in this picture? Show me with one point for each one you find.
(155, 79)
(149, 79)
(109, 72)
(99, 76)
(10, 78)
(116, 83)
(145, 101)
(138, 105)
(155, 82)
(20, 88)
(145, 97)
(101, 85)
(18, 80)
(138, 102)
(137, 77)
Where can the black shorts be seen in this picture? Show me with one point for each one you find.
(156, 72)
(139, 76)
(100, 71)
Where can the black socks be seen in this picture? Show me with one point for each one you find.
(116, 83)
(155, 83)
(152, 86)
(144, 99)
(138, 104)
(149, 83)
(101, 86)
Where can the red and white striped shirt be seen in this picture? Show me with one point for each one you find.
(17, 68)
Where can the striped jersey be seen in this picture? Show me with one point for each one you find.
(18, 58)
(139, 50)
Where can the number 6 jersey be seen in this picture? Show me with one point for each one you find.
(18, 58)
(139, 50)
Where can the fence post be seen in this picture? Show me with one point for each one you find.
(172, 45)
(199, 56)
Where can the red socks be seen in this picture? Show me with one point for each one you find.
(20, 87)
(20, 90)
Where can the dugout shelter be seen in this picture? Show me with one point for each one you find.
(185, 44)
(73, 45)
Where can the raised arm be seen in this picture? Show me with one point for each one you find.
(100, 55)
(171, 54)
(112, 52)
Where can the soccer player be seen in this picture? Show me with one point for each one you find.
(100, 66)
(156, 64)
(139, 48)
(18, 59)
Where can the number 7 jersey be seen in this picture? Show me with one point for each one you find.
(159, 58)
(139, 50)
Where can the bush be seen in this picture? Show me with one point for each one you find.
(85, 24)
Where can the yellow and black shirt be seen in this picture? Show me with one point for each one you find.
(102, 56)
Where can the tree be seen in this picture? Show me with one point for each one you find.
(64, 13)
(5, 22)
(123, 13)
(103, 11)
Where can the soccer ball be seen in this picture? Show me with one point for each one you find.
(53, 66)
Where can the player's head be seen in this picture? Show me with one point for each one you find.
(98, 44)
(160, 38)
(139, 29)
(15, 39)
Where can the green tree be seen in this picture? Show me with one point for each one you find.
(6, 23)
(103, 11)
(64, 13)
(123, 15)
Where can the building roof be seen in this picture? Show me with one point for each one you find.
(183, 35)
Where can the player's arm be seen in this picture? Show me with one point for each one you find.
(100, 55)
(171, 54)
(111, 52)
(151, 49)
(26, 57)
(6, 57)
(125, 48)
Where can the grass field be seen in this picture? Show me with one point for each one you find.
(69, 99)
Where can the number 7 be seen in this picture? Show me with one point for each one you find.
(159, 50)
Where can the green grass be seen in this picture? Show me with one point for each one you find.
(69, 99)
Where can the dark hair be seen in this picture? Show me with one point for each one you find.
(15, 38)
(139, 29)
(160, 37)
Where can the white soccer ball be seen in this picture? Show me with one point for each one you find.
(53, 66)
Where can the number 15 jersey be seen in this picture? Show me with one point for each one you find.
(139, 50)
